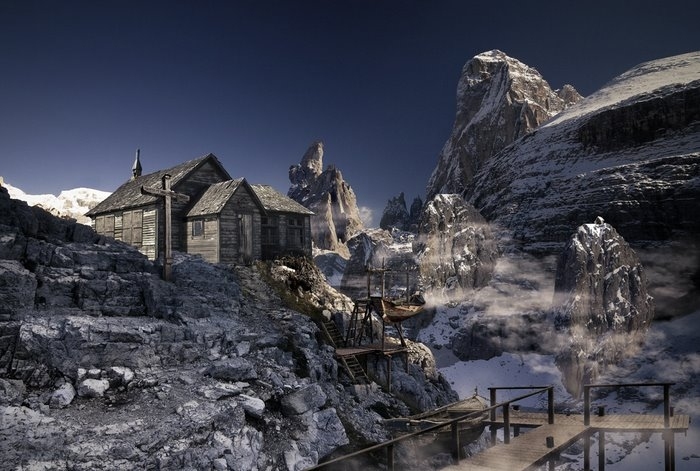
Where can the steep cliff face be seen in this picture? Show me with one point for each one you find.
(601, 299)
(499, 99)
(630, 153)
(455, 248)
(336, 215)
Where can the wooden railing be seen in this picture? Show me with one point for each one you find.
(454, 426)
(506, 408)
(587, 398)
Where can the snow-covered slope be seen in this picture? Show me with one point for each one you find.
(68, 204)
(630, 153)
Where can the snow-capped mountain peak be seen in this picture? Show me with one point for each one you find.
(68, 204)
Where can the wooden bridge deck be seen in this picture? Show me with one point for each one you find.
(531, 448)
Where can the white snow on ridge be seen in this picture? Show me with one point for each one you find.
(654, 77)
(69, 203)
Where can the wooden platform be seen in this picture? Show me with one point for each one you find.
(531, 448)
(389, 349)
(524, 450)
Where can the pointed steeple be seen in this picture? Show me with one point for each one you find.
(136, 168)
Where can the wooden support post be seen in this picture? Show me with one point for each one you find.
(390, 457)
(587, 452)
(601, 450)
(388, 373)
(492, 394)
(167, 194)
(550, 405)
(455, 441)
(586, 405)
(506, 423)
(667, 405)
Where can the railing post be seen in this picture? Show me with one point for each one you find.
(492, 394)
(550, 404)
(455, 440)
(390, 457)
(506, 423)
(667, 405)
(586, 404)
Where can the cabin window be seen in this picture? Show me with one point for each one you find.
(295, 232)
(198, 228)
(270, 230)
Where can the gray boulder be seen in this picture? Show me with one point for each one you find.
(63, 396)
(303, 400)
(234, 369)
(93, 387)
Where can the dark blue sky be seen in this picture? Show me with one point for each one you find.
(84, 84)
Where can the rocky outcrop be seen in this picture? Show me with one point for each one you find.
(455, 247)
(397, 215)
(629, 152)
(105, 366)
(601, 284)
(600, 297)
(499, 99)
(336, 215)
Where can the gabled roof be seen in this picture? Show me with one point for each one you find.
(129, 194)
(217, 195)
(273, 200)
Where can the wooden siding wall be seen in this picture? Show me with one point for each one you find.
(136, 227)
(240, 203)
(206, 245)
(193, 186)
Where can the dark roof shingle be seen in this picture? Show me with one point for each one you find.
(214, 198)
(129, 194)
(273, 200)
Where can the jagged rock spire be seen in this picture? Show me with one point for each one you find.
(136, 169)
(329, 196)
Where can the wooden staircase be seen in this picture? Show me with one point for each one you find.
(356, 326)
(350, 364)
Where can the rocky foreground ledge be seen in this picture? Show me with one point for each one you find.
(105, 366)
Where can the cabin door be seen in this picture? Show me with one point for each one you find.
(246, 242)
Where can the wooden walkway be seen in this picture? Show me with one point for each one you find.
(532, 448)
(548, 433)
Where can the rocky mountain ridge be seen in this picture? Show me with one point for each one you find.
(630, 153)
(499, 99)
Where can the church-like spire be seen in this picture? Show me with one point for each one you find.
(136, 168)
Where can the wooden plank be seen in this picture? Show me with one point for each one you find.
(523, 450)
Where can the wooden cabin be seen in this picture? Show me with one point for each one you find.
(285, 224)
(224, 221)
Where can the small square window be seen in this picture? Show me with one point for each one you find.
(198, 228)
